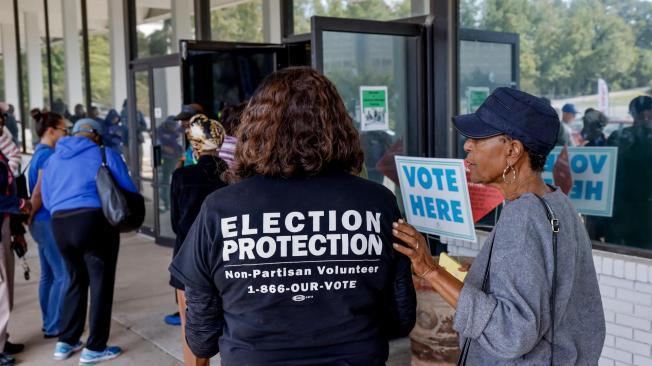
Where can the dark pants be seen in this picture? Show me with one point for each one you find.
(89, 245)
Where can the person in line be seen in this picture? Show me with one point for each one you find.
(168, 136)
(141, 130)
(187, 112)
(54, 276)
(112, 131)
(505, 306)
(190, 186)
(12, 123)
(186, 159)
(88, 243)
(8, 148)
(11, 233)
(230, 117)
(79, 113)
(565, 135)
(594, 123)
(633, 192)
(94, 114)
(293, 265)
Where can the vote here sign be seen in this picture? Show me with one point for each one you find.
(594, 178)
(436, 196)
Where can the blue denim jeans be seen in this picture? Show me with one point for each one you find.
(54, 276)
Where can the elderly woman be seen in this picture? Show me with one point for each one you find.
(531, 296)
(293, 265)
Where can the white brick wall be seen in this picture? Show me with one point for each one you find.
(626, 289)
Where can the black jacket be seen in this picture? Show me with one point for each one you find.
(190, 186)
(296, 272)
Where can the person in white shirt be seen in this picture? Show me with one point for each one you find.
(565, 137)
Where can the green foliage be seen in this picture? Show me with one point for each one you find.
(239, 23)
(360, 9)
(565, 46)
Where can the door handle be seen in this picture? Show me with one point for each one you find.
(157, 156)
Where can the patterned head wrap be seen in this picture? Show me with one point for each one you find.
(205, 134)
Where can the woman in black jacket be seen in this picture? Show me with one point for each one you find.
(190, 186)
(293, 265)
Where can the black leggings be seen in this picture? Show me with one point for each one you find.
(89, 245)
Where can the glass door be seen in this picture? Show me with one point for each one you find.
(167, 142)
(216, 74)
(158, 140)
(378, 70)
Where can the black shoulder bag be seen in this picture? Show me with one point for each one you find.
(22, 191)
(554, 225)
(122, 208)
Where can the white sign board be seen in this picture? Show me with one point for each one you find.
(436, 196)
(374, 111)
(594, 178)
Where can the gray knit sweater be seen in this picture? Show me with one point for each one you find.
(511, 324)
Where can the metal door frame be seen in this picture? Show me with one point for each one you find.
(148, 65)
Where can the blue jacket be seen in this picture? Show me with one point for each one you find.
(42, 153)
(69, 175)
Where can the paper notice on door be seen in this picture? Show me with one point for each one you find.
(374, 111)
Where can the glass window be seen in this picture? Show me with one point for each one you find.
(355, 62)
(238, 23)
(99, 55)
(594, 56)
(356, 9)
(158, 31)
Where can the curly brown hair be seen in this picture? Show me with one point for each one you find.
(296, 125)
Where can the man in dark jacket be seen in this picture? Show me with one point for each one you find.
(633, 195)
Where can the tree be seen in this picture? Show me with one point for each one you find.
(243, 23)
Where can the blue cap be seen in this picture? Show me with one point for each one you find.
(569, 108)
(93, 126)
(516, 114)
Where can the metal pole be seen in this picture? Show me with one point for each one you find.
(131, 53)
(202, 20)
(48, 49)
(287, 18)
(21, 96)
(87, 65)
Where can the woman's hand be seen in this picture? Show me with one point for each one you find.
(416, 248)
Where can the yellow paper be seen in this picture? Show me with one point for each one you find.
(451, 266)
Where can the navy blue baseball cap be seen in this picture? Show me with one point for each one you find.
(569, 108)
(640, 104)
(188, 111)
(516, 114)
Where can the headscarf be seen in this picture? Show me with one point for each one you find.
(205, 135)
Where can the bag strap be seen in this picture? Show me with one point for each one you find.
(103, 153)
(554, 225)
(26, 167)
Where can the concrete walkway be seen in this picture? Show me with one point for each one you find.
(142, 298)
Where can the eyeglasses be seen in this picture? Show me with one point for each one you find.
(65, 130)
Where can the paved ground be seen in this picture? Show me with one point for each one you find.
(142, 298)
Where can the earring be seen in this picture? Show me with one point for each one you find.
(506, 172)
